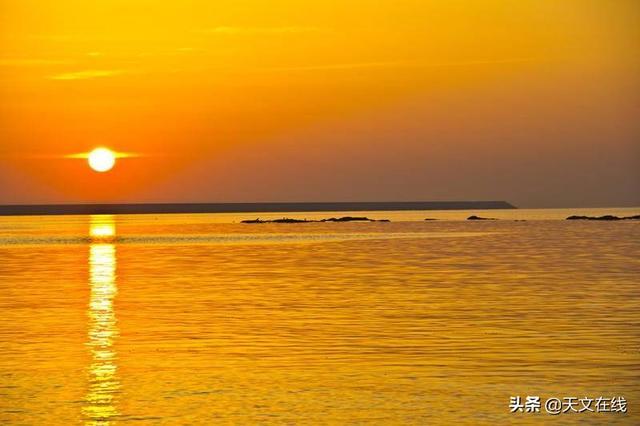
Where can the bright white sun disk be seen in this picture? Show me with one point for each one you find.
(102, 159)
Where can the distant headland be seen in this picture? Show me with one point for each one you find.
(159, 208)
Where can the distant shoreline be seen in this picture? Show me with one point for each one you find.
(162, 208)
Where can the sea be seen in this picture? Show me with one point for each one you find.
(201, 319)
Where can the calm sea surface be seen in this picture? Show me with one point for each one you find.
(195, 319)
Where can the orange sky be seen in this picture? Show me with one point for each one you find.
(531, 101)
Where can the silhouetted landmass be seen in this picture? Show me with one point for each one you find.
(283, 220)
(605, 217)
(430, 218)
(68, 209)
(333, 219)
(352, 219)
(474, 217)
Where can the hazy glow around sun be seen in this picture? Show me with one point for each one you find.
(102, 159)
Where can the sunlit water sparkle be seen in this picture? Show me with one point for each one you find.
(181, 319)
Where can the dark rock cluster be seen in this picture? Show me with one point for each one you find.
(332, 219)
(605, 217)
(474, 217)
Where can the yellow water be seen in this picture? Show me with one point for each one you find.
(193, 319)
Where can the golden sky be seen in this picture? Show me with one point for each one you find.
(531, 101)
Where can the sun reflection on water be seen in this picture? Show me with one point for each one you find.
(102, 227)
(99, 406)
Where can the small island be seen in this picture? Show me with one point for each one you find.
(605, 217)
(332, 219)
(474, 217)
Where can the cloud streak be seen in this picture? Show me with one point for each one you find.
(85, 155)
(260, 30)
(23, 62)
(358, 65)
(349, 66)
(86, 75)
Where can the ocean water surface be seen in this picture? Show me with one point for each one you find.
(199, 319)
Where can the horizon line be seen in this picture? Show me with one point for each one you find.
(250, 207)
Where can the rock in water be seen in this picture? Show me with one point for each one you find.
(333, 219)
(574, 217)
(288, 220)
(253, 221)
(347, 219)
(605, 217)
(474, 217)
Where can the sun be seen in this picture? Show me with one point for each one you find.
(102, 159)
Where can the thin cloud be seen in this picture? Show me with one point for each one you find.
(261, 30)
(339, 66)
(350, 66)
(85, 155)
(22, 62)
(190, 50)
(86, 75)
(51, 37)
(484, 62)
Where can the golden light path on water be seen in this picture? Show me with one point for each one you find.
(200, 319)
(99, 406)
